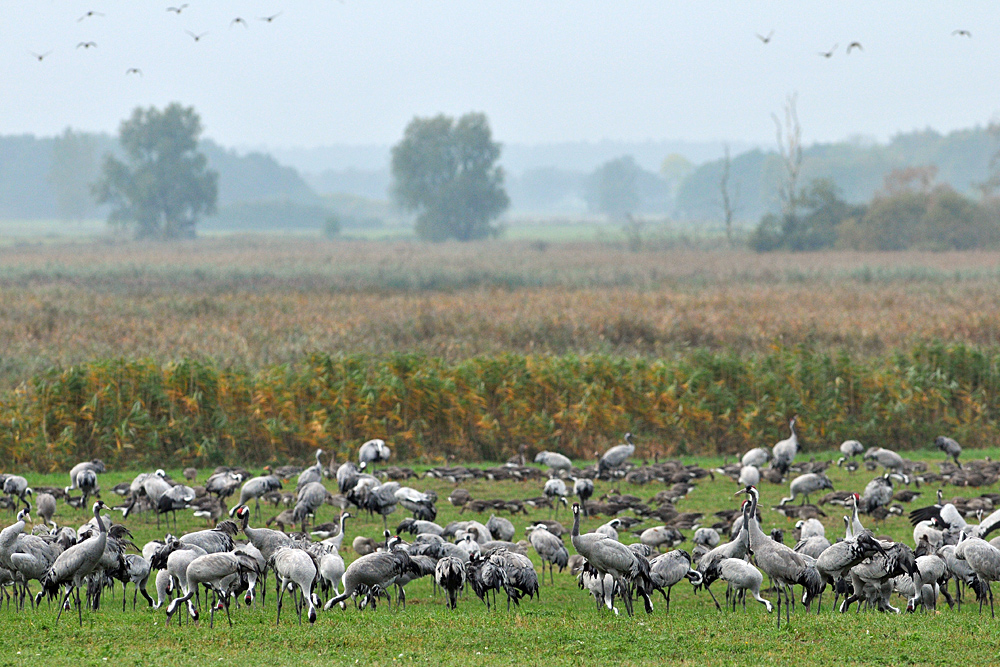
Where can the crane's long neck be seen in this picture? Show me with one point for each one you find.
(576, 525)
(848, 533)
(753, 528)
(855, 521)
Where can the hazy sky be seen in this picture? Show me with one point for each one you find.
(357, 71)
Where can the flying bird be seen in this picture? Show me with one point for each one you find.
(87, 45)
(854, 45)
(88, 15)
(961, 33)
(829, 54)
(238, 20)
(133, 70)
(39, 56)
(268, 19)
(177, 10)
(196, 37)
(766, 40)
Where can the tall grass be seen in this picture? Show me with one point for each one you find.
(139, 412)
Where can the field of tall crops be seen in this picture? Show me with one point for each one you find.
(263, 349)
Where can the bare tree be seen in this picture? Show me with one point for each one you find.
(727, 200)
(790, 146)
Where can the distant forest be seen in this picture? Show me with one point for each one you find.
(49, 177)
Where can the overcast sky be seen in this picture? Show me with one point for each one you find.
(326, 72)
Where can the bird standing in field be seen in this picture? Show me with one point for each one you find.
(784, 451)
(849, 449)
(550, 549)
(75, 564)
(616, 456)
(950, 448)
(449, 574)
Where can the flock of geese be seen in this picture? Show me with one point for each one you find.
(230, 562)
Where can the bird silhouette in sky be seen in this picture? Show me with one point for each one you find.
(88, 15)
(766, 40)
(133, 70)
(196, 38)
(238, 20)
(268, 19)
(854, 45)
(39, 56)
(177, 10)
(87, 45)
(961, 33)
(829, 54)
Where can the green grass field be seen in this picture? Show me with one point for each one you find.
(562, 628)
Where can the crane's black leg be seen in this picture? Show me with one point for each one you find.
(717, 606)
(669, 588)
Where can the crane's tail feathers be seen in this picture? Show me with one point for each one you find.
(812, 584)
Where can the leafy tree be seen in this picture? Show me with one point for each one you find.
(73, 172)
(820, 213)
(613, 188)
(446, 171)
(164, 185)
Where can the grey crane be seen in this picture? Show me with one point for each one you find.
(749, 476)
(517, 575)
(222, 484)
(27, 556)
(348, 474)
(756, 457)
(94, 465)
(86, 481)
(295, 567)
(742, 577)
(610, 529)
(211, 571)
(449, 574)
(311, 497)
(177, 497)
(984, 559)
(331, 569)
(549, 548)
(554, 460)
(608, 556)
(375, 570)
(500, 528)
(950, 447)
(803, 485)
(418, 502)
(872, 579)
(216, 540)
(255, 488)
(74, 565)
(337, 539)
(419, 527)
(848, 450)
(312, 474)
(877, 493)
(133, 569)
(16, 486)
(45, 507)
(707, 537)
(583, 489)
(374, 451)
(659, 536)
(616, 456)
(888, 459)
(556, 490)
(784, 566)
(930, 569)
(266, 540)
(667, 570)
(785, 450)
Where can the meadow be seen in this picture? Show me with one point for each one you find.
(563, 627)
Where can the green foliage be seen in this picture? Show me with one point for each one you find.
(613, 188)
(137, 412)
(73, 172)
(163, 186)
(821, 211)
(446, 171)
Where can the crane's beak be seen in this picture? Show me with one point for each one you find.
(741, 491)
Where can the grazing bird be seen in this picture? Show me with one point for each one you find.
(216, 540)
(984, 560)
(749, 476)
(17, 486)
(256, 487)
(950, 448)
(449, 574)
(550, 549)
(742, 577)
(659, 536)
(500, 528)
(803, 485)
(175, 498)
(311, 497)
(888, 459)
(554, 460)
(75, 564)
(94, 465)
(374, 451)
(608, 556)
(667, 570)
(312, 473)
(223, 484)
(849, 449)
(295, 567)
(836, 561)
(377, 570)
(616, 456)
(765, 40)
(266, 540)
(190, 474)
(45, 507)
(756, 457)
(784, 566)
(212, 571)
